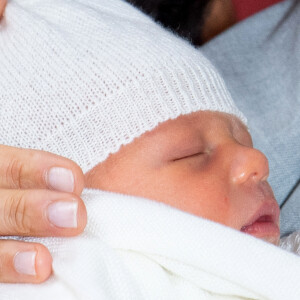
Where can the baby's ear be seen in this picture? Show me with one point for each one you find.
(2, 7)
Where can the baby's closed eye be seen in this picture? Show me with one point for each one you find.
(192, 155)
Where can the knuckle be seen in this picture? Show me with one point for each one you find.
(15, 216)
(35, 155)
(13, 173)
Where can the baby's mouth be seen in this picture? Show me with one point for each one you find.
(264, 223)
(259, 224)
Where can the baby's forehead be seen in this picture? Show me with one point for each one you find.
(195, 130)
(201, 121)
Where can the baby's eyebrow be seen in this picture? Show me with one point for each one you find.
(241, 133)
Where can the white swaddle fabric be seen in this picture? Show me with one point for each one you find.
(135, 248)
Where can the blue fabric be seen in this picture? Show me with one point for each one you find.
(260, 62)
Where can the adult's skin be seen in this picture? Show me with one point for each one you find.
(2, 7)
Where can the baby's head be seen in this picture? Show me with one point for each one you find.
(140, 110)
(203, 163)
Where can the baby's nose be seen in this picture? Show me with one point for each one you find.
(248, 164)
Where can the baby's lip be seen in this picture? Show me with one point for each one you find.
(265, 221)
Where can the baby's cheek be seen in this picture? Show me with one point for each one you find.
(211, 199)
(219, 210)
(197, 196)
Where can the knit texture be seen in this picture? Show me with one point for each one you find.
(82, 78)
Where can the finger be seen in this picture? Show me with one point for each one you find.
(41, 213)
(2, 7)
(35, 169)
(24, 262)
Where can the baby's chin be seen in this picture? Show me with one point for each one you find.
(272, 239)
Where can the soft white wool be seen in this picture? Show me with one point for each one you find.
(81, 78)
(135, 248)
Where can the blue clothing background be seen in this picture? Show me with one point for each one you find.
(259, 59)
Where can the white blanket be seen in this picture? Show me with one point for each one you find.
(135, 248)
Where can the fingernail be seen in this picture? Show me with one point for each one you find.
(60, 179)
(63, 214)
(24, 262)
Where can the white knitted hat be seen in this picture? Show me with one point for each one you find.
(81, 78)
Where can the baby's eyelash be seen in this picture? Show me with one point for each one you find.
(190, 156)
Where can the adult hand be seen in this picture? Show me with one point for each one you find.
(2, 7)
(39, 196)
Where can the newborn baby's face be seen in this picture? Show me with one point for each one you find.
(202, 163)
